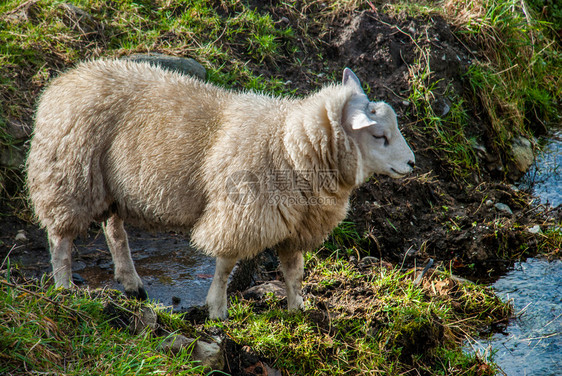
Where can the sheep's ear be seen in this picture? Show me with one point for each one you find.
(350, 79)
(360, 120)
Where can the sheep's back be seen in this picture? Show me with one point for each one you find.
(121, 134)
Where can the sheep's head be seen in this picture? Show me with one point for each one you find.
(374, 127)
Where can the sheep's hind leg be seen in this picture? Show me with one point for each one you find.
(292, 265)
(216, 298)
(61, 259)
(118, 244)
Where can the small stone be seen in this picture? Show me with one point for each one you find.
(27, 11)
(147, 320)
(522, 153)
(79, 20)
(182, 65)
(106, 265)
(535, 229)
(18, 129)
(175, 343)
(78, 279)
(489, 203)
(503, 208)
(12, 157)
(258, 292)
(209, 354)
(20, 236)
(78, 265)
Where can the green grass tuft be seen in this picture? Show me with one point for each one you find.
(48, 330)
(378, 322)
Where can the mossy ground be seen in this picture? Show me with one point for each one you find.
(50, 331)
(360, 318)
(369, 318)
(463, 76)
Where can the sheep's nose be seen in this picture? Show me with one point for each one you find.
(412, 164)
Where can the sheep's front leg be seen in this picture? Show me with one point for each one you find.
(292, 265)
(61, 259)
(216, 298)
(118, 244)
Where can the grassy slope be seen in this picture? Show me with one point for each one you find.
(517, 80)
(45, 330)
(390, 325)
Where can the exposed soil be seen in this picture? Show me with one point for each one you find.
(428, 215)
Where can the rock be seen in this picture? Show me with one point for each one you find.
(503, 208)
(147, 320)
(179, 64)
(489, 203)
(78, 266)
(175, 343)
(522, 153)
(481, 151)
(20, 236)
(258, 292)
(79, 20)
(12, 157)
(27, 11)
(78, 279)
(368, 261)
(106, 265)
(441, 106)
(18, 130)
(210, 354)
(535, 229)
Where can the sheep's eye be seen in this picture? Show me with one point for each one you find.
(382, 137)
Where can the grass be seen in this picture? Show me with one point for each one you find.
(517, 76)
(45, 330)
(447, 129)
(378, 322)
(359, 319)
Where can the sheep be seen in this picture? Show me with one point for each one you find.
(239, 172)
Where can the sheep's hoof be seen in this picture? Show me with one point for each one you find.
(139, 294)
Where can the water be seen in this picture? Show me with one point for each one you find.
(545, 176)
(174, 273)
(533, 345)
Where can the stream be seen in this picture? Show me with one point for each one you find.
(173, 272)
(531, 344)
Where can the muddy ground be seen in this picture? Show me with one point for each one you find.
(458, 224)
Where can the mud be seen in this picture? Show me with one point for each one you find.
(174, 273)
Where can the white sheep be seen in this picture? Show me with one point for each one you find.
(116, 140)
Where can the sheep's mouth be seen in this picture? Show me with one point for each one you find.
(400, 174)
